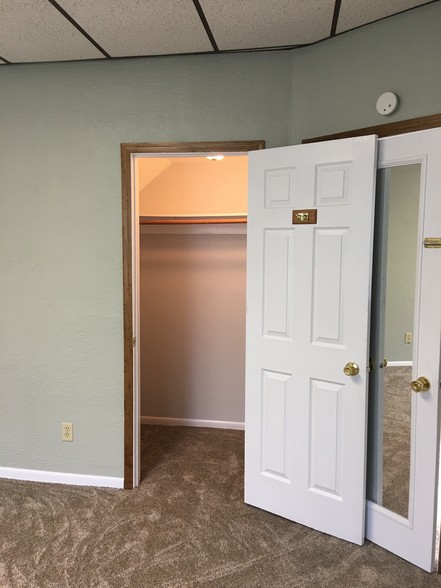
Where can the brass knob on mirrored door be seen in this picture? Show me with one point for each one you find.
(351, 369)
(421, 385)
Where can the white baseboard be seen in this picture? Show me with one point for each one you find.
(172, 422)
(399, 363)
(60, 478)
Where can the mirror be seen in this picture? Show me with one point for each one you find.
(390, 408)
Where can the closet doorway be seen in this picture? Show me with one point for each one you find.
(179, 239)
(193, 213)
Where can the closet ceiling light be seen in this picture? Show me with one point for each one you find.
(215, 157)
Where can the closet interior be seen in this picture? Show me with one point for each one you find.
(192, 214)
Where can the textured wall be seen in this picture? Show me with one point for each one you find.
(335, 84)
(61, 345)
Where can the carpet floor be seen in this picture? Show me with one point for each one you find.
(397, 439)
(186, 526)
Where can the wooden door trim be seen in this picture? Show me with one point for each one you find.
(386, 130)
(127, 150)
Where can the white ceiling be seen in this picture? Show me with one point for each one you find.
(64, 30)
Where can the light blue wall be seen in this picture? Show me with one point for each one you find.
(335, 84)
(61, 344)
(61, 353)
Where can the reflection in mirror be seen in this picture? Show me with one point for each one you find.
(396, 439)
(392, 328)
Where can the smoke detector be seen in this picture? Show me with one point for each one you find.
(387, 103)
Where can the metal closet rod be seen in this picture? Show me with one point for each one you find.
(193, 220)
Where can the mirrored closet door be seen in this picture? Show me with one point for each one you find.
(405, 347)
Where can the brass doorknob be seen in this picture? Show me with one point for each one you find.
(421, 385)
(351, 369)
(383, 364)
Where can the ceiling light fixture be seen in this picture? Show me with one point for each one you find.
(215, 157)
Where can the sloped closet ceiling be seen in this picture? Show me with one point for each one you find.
(64, 30)
(193, 186)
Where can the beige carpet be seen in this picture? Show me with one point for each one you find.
(396, 440)
(185, 527)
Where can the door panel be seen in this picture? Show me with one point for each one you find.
(330, 257)
(413, 537)
(276, 413)
(278, 281)
(325, 448)
(308, 289)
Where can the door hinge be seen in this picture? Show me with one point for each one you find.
(134, 341)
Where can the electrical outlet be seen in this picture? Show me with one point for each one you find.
(408, 337)
(67, 431)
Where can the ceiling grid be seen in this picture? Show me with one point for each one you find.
(335, 17)
(205, 23)
(78, 27)
(66, 30)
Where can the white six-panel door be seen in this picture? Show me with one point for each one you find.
(308, 289)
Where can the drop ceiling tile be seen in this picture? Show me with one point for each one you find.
(268, 23)
(33, 30)
(354, 13)
(141, 27)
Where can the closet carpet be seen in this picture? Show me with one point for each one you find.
(186, 526)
